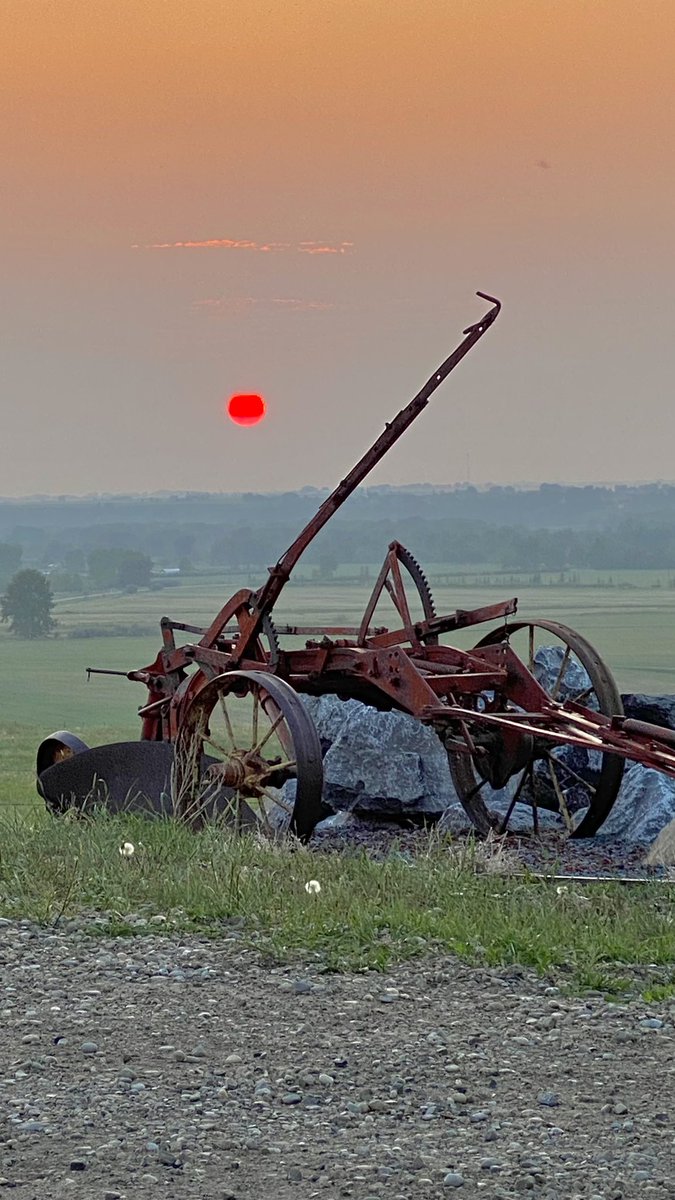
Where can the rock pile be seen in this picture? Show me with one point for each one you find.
(388, 765)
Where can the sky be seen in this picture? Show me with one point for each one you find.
(300, 198)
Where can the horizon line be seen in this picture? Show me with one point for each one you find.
(177, 493)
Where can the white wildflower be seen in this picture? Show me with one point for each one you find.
(313, 887)
(127, 849)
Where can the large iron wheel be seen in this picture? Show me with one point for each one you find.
(549, 777)
(248, 749)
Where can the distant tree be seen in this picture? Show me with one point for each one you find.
(66, 581)
(52, 553)
(103, 566)
(134, 569)
(184, 544)
(10, 561)
(74, 559)
(328, 563)
(27, 605)
(117, 567)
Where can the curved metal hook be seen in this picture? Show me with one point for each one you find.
(489, 317)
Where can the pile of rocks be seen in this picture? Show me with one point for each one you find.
(387, 765)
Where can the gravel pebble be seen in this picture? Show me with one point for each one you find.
(209, 1077)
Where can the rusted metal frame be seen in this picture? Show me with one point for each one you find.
(655, 733)
(395, 588)
(185, 627)
(648, 751)
(389, 671)
(154, 713)
(237, 607)
(219, 662)
(463, 618)
(469, 743)
(391, 592)
(516, 681)
(208, 655)
(447, 659)
(465, 683)
(287, 630)
(491, 661)
(439, 654)
(523, 722)
(393, 673)
(170, 662)
(160, 689)
(597, 734)
(521, 687)
(653, 739)
(427, 667)
(460, 619)
(395, 637)
(268, 594)
(401, 601)
(397, 592)
(373, 601)
(210, 663)
(348, 631)
(320, 660)
(412, 691)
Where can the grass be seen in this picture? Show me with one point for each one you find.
(366, 915)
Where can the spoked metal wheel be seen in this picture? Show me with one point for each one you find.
(581, 785)
(248, 749)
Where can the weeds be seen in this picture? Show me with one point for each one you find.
(450, 899)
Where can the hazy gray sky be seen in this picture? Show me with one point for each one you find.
(348, 172)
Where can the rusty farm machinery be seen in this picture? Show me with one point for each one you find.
(530, 714)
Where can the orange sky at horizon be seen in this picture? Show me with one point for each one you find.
(521, 147)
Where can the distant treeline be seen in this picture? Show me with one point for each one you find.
(549, 506)
(550, 528)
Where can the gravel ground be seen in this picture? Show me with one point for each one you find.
(157, 1065)
(549, 853)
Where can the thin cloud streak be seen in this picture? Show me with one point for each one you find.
(237, 305)
(244, 244)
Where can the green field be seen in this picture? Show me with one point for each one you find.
(631, 623)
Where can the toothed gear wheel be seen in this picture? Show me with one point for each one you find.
(424, 591)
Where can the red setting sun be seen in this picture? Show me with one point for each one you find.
(246, 409)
